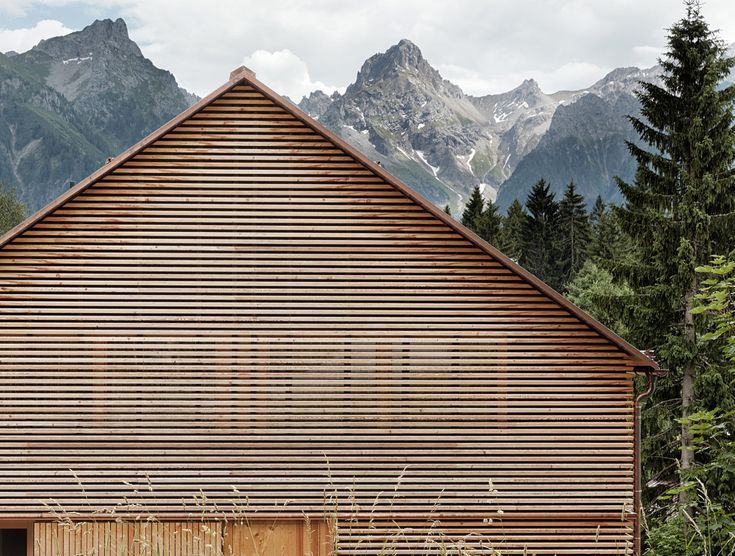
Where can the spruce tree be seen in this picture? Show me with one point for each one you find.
(608, 243)
(574, 232)
(473, 209)
(447, 210)
(678, 212)
(489, 223)
(482, 218)
(510, 240)
(541, 236)
(598, 209)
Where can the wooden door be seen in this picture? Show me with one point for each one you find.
(277, 538)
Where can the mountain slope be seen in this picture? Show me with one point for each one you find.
(43, 142)
(427, 131)
(74, 100)
(585, 143)
(442, 142)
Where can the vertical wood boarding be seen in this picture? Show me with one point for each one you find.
(138, 538)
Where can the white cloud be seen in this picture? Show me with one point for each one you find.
(21, 40)
(486, 46)
(22, 7)
(646, 55)
(285, 73)
(473, 82)
(492, 44)
(571, 76)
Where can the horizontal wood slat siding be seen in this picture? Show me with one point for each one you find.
(243, 306)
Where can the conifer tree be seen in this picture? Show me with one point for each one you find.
(598, 209)
(541, 236)
(608, 244)
(678, 212)
(473, 209)
(574, 232)
(482, 218)
(447, 210)
(510, 240)
(489, 224)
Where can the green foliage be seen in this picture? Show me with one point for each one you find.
(677, 213)
(717, 299)
(598, 209)
(489, 224)
(481, 218)
(594, 290)
(708, 532)
(608, 243)
(473, 209)
(510, 240)
(574, 231)
(12, 211)
(680, 209)
(541, 236)
(703, 521)
(705, 525)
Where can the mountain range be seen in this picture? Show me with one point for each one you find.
(443, 142)
(72, 101)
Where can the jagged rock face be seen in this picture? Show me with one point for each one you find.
(402, 112)
(317, 103)
(427, 131)
(443, 143)
(44, 144)
(71, 101)
(585, 142)
(103, 73)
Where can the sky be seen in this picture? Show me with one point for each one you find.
(296, 46)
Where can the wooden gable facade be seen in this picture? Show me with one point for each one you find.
(241, 330)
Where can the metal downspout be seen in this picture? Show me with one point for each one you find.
(651, 376)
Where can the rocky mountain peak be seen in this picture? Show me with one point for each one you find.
(528, 93)
(529, 87)
(317, 103)
(102, 37)
(106, 28)
(622, 82)
(405, 54)
(404, 58)
(114, 89)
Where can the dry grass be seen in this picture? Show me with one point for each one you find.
(131, 528)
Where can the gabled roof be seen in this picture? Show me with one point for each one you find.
(243, 76)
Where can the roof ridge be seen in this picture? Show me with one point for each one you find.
(245, 76)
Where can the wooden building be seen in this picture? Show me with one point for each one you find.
(242, 337)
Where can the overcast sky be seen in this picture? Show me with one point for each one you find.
(295, 46)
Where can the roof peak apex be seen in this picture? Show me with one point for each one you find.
(240, 72)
